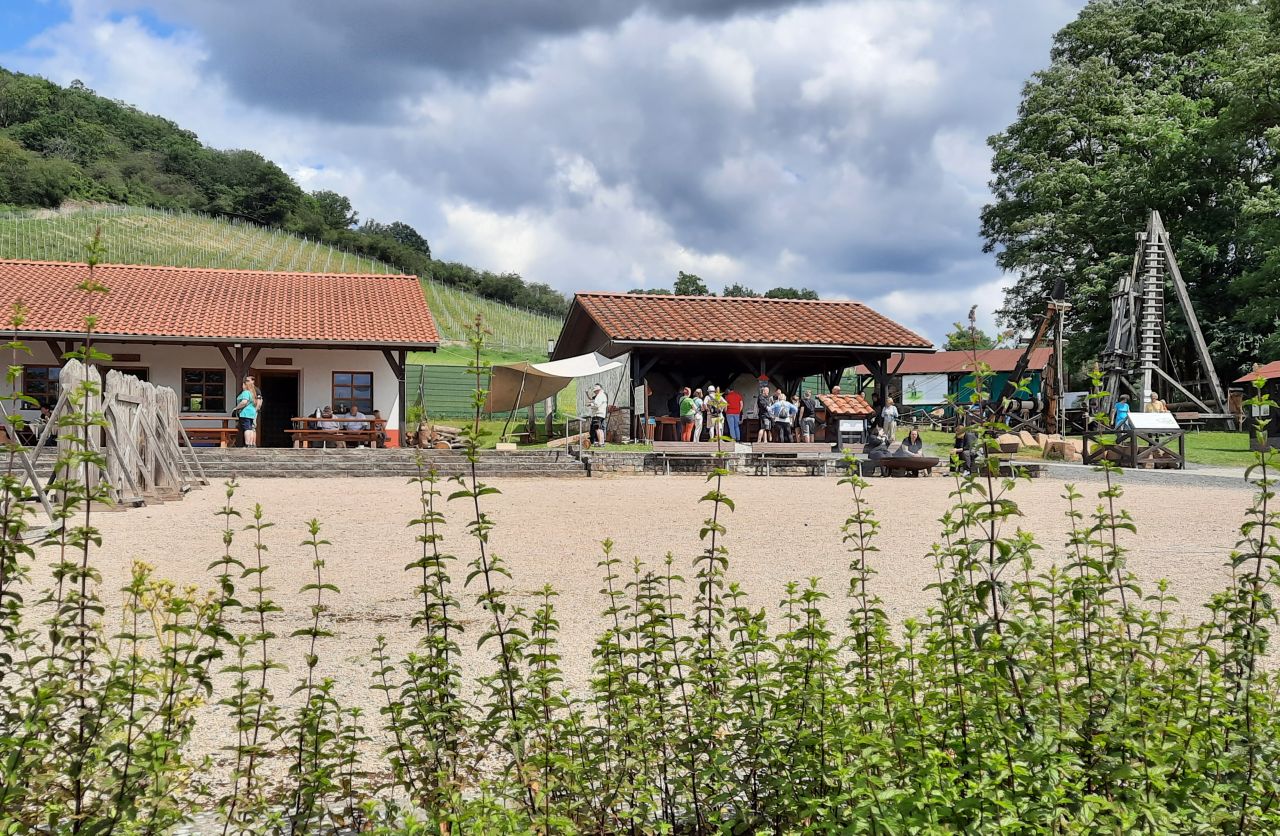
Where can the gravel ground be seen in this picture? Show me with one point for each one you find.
(784, 528)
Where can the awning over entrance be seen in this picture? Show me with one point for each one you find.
(518, 385)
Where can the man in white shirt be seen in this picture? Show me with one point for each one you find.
(353, 425)
(599, 413)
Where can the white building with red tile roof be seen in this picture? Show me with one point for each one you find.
(310, 339)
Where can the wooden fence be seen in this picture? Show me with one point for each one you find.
(134, 427)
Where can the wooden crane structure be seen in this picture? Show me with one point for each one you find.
(1137, 359)
(1052, 418)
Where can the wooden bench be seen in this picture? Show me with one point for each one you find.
(216, 429)
(305, 430)
(222, 436)
(689, 451)
(304, 438)
(817, 456)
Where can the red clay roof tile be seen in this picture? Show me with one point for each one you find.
(241, 305)
(1270, 371)
(846, 405)
(718, 319)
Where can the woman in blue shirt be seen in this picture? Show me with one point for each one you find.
(248, 402)
(1120, 413)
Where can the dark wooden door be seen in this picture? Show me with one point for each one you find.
(279, 406)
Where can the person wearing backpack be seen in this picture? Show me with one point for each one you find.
(781, 411)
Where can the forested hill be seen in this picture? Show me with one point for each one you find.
(68, 143)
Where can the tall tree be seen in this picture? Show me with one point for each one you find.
(1131, 115)
(688, 284)
(741, 291)
(333, 210)
(790, 293)
(968, 338)
(409, 236)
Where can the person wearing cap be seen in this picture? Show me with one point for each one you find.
(599, 413)
(716, 405)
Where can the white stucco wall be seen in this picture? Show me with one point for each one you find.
(315, 368)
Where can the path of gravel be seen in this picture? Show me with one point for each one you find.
(784, 528)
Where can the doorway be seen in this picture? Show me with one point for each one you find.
(279, 390)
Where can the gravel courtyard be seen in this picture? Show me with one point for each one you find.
(784, 528)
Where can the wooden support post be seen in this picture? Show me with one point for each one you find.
(398, 360)
(59, 350)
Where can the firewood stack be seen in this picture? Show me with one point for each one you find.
(439, 437)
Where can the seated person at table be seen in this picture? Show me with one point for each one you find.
(966, 448)
(379, 430)
(912, 445)
(354, 426)
(329, 424)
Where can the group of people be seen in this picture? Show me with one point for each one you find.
(716, 413)
(353, 420)
(1120, 412)
(881, 443)
(249, 405)
(786, 421)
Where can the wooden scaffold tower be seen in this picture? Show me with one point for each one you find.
(1137, 360)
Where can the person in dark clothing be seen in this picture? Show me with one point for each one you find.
(877, 447)
(764, 405)
(912, 445)
(965, 448)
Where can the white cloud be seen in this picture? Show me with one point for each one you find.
(839, 146)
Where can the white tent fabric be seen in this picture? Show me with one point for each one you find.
(518, 385)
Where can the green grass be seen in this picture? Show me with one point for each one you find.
(134, 235)
(457, 355)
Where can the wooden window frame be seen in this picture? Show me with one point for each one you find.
(186, 399)
(333, 390)
(53, 401)
(133, 370)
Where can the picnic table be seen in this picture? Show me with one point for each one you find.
(220, 429)
(306, 430)
(818, 456)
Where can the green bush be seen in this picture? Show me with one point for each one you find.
(1057, 700)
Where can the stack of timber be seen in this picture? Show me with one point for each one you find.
(439, 437)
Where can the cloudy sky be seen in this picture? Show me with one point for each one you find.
(604, 144)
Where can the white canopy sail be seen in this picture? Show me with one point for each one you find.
(518, 385)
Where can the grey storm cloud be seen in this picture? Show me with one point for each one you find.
(353, 60)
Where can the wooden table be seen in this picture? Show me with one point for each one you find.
(304, 430)
(666, 429)
(224, 433)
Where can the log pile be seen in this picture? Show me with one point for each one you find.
(439, 437)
